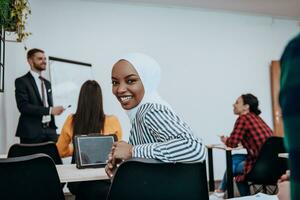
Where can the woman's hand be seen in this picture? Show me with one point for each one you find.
(122, 151)
(284, 186)
(284, 191)
(223, 139)
(110, 167)
(285, 177)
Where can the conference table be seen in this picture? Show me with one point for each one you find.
(69, 173)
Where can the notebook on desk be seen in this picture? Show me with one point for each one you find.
(92, 150)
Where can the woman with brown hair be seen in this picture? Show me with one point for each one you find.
(88, 118)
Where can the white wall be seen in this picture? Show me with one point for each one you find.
(8, 109)
(208, 58)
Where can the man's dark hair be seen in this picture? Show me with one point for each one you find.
(31, 52)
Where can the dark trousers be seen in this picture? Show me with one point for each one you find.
(47, 134)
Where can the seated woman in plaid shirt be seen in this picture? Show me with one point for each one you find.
(250, 131)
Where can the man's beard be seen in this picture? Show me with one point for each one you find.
(38, 67)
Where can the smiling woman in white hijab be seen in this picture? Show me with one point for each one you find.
(157, 131)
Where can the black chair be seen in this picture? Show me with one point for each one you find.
(48, 148)
(268, 167)
(31, 177)
(149, 179)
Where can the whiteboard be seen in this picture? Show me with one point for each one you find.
(67, 77)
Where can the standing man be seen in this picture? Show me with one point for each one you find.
(34, 101)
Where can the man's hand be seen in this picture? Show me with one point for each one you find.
(57, 110)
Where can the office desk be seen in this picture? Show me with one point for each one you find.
(229, 174)
(69, 173)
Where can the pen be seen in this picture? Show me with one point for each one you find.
(68, 106)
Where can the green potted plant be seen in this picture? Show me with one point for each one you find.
(13, 17)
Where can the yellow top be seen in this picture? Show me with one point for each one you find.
(64, 143)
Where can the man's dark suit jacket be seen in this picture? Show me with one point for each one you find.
(31, 107)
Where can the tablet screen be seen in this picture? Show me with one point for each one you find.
(92, 151)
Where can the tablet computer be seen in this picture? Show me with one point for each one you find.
(92, 150)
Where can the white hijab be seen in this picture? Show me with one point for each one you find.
(149, 72)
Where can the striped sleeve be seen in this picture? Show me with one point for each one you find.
(176, 142)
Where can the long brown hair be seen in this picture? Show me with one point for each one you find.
(89, 116)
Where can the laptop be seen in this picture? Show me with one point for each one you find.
(91, 151)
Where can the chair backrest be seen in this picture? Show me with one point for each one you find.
(48, 148)
(269, 166)
(31, 177)
(149, 179)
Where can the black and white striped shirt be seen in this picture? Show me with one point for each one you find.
(158, 133)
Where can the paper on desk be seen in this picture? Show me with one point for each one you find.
(258, 196)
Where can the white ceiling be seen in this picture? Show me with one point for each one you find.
(278, 8)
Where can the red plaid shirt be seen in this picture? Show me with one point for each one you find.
(252, 132)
